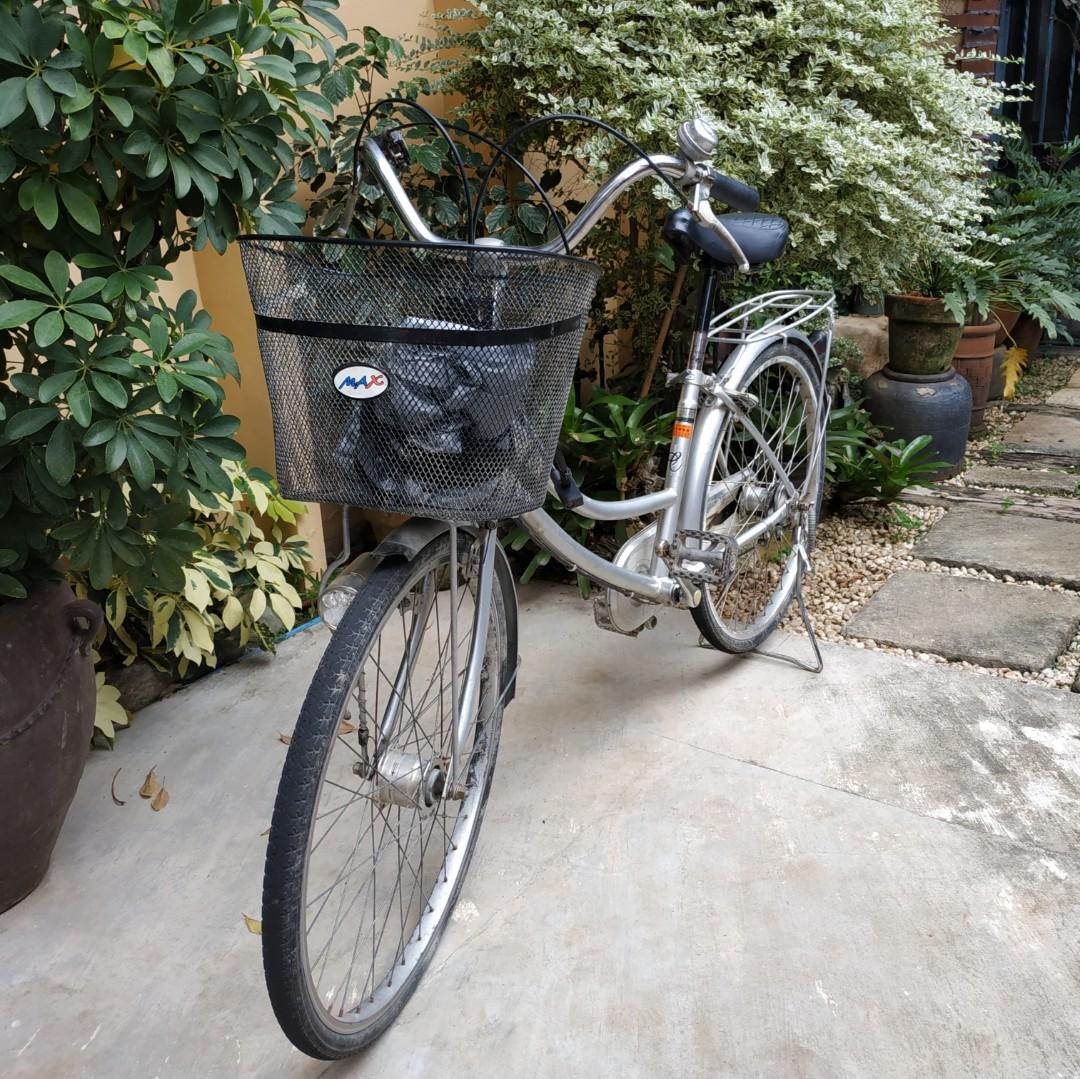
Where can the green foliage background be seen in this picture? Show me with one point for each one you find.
(843, 112)
(129, 133)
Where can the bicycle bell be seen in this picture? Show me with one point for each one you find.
(697, 140)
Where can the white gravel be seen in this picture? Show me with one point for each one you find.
(861, 547)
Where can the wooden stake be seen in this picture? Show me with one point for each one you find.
(661, 337)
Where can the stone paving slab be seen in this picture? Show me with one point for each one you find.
(1068, 397)
(1033, 548)
(1074, 382)
(985, 622)
(1063, 483)
(1058, 435)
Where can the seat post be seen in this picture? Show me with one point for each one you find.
(706, 295)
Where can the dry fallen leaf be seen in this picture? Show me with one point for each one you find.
(161, 800)
(150, 785)
(284, 739)
(253, 925)
(346, 727)
(112, 789)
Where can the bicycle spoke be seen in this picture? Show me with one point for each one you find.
(784, 415)
(382, 839)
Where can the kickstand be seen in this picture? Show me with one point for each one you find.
(819, 664)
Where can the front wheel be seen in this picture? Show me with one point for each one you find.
(370, 838)
(738, 614)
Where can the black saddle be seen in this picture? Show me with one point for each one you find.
(762, 237)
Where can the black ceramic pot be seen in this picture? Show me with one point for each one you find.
(913, 405)
(47, 700)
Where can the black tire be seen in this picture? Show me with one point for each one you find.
(302, 1017)
(722, 631)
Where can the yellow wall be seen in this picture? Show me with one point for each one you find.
(219, 280)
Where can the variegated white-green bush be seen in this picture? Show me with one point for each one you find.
(843, 112)
(241, 578)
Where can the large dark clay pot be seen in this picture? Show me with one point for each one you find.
(974, 360)
(922, 335)
(1027, 334)
(47, 700)
(935, 405)
(1006, 318)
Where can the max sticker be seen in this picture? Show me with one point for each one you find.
(359, 381)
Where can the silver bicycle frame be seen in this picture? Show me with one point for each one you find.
(705, 404)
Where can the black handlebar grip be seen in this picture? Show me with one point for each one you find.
(733, 193)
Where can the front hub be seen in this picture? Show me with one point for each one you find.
(407, 780)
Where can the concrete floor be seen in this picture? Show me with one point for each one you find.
(692, 865)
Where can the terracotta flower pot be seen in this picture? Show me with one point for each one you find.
(922, 335)
(47, 700)
(974, 359)
(1006, 319)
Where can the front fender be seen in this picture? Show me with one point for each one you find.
(410, 538)
(407, 541)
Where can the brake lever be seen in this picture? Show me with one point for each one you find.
(704, 213)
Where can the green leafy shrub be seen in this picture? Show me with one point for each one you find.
(860, 463)
(845, 115)
(128, 133)
(237, 577)
(1028, 255)
(845, 353)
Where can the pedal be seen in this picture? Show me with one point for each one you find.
(716, 554)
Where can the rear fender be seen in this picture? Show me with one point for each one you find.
(710, 424)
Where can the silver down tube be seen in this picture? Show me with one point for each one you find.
(547, 533)
(469, 699)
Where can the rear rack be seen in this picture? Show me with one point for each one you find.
(771, 314)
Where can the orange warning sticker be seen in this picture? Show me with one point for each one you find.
(683, 430)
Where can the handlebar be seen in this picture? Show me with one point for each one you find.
(733, 193)
(706, 183)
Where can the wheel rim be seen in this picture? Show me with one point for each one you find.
(379, 877)
(765, 574)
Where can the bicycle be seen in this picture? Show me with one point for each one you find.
(387, 775)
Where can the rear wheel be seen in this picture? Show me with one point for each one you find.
(740, 613)
(369, 843)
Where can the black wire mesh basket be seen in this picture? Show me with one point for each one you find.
(422, 379)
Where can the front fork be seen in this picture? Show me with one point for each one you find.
(404, 778)
(468, 701)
